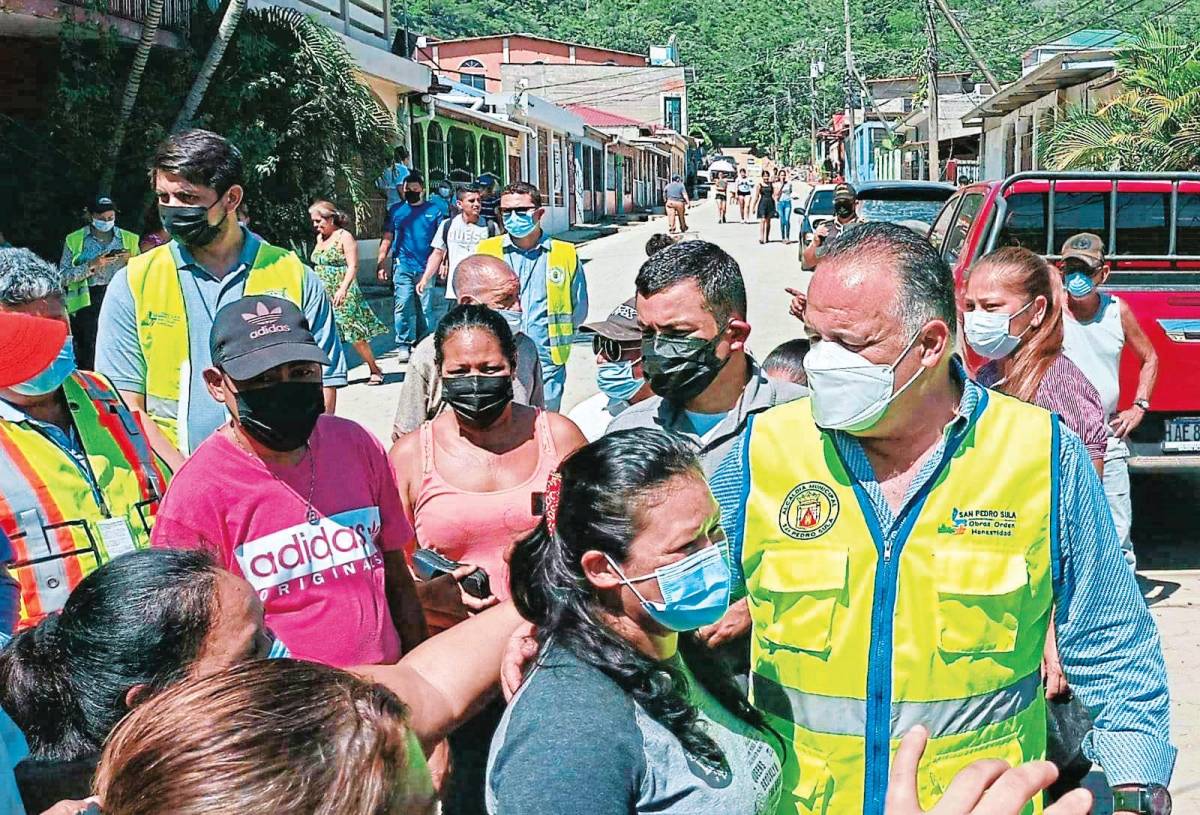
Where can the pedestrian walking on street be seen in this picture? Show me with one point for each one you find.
(91, 257)
(1098, 326)
(764, 205)
(783, 204)
(744, 187)
(554, 295)
(721, 193)
(898, 485)
(153, 340)
(454, 241)
(677, 205)
(335, 260)
(404, 253)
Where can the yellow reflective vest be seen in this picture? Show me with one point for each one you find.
(560, 275)
(78, 296)
(63, 522)
(856, 638)
(162, 324)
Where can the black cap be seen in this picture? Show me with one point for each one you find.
(102, 203)
(621, 325)
(844, 192)
(252, 335)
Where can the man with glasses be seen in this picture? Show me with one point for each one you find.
(691, 308)
(553, 289)
(617, 344)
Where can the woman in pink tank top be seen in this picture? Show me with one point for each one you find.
(471, 480)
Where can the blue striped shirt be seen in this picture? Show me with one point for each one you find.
(1107, 640)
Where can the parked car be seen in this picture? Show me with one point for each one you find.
(912, 203)
(1151, 225)
(817, 208)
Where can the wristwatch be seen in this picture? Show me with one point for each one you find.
(1153, 799)
(1144, 404)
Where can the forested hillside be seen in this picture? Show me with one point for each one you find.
(749, 54)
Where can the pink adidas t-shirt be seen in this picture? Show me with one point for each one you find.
(322, 585)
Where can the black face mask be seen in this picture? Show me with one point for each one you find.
(478, 400)
(412, 197)
(843, 209)
(281, 416)
(189, 225)
(680, 368)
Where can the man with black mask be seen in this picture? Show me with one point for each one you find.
(301, 504)
(154, 325)
(691, 305)
(845, 214)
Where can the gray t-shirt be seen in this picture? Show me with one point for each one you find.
(676, 191)
(573, 742)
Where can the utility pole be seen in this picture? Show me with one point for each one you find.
(813, 71)
(966, 41)
(848, 163)
(932, 64)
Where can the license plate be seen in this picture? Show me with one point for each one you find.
(1183, 435)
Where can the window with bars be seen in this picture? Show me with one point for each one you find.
(464, 163)
(435, 142)
(491, 156)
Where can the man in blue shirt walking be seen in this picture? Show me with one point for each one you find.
(407, 244)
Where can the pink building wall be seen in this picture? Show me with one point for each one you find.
(448, 56)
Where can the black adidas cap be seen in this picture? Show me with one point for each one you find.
(252, 335)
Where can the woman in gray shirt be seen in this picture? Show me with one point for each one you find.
(624, 713)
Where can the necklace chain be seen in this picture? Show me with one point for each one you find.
(310, 512)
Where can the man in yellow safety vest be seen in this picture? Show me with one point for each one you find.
(554, 297)
(91, 256)
(154, 327)
(80, 475)
(907, 536)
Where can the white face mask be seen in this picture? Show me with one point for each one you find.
(850, 392)
(103, 226)
(988, 332)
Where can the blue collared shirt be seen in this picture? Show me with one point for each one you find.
(530, 268)
(93, 248)
(119, 352)
(1107, 640)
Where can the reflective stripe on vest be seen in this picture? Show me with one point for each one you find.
(561, 265)
(78, 296)
(49, 509)
(163, 331)
(857, 638)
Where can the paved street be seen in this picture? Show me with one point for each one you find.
(1164, 506)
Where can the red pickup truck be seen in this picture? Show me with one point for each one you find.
(1151, 225)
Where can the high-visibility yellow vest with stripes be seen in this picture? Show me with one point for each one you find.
(856, 641)
(162, 323)
(78, 296)
(560, 275)
(60, 528)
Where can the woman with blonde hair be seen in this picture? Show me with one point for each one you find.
(1013, 316)
(335, 260)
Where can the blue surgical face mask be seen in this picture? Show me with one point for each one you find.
(989, 332)
(520, 224)
(513, 318)
(695, 590)
(103, 226)
(1078, 284)
(617, 381)
(52, 377)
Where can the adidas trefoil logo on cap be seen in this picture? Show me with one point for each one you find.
(265, 318)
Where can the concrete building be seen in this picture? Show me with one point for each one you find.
(957, 142)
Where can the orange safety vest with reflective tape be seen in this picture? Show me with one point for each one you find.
(61, 521)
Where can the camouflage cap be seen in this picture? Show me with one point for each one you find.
(1085, 246)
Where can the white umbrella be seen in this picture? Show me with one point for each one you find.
(722, 166)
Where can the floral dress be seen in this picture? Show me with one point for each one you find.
(355, 320)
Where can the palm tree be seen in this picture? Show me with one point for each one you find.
(1153, 125)
(229, 22)
(133, 84)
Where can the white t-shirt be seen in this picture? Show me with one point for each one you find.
(460, 240)
(592, 416)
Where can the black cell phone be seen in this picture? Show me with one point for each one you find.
(537, 504)
(428, 564)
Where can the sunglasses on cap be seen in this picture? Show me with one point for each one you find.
(612, 350)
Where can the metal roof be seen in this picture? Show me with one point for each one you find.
(1060, 71)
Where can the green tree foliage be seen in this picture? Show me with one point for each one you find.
(751, 58)
(1153, 125)
(286, 93)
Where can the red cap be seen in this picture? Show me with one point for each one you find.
(28, 345)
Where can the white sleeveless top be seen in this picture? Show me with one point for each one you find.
(1095, 346)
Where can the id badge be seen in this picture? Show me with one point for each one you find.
(116, 536)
